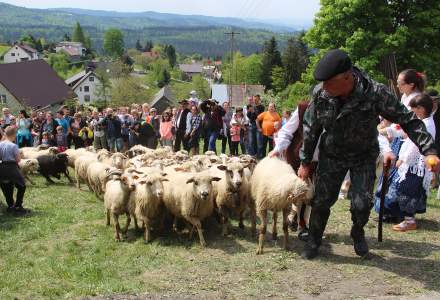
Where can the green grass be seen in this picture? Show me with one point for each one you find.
(64, 250)
(3, 49)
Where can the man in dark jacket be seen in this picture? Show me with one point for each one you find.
(255, 137)
(112, 126)
(212, 123)
(344, 113)
(181, 122)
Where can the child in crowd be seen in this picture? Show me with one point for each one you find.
(166, 134)
(61, 139)
(45, 140)
(235, 137)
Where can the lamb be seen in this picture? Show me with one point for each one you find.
(28, 166)
(53, 165)
(276, 194)
(145, 202)
(81, 165)
(190, 196)
(117, 193)
(231, 193)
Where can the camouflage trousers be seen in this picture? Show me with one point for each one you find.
(329, 176)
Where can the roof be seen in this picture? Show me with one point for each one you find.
(237, 93)
(166, 93)
(74, 79)
(71, 44)
(191, 68)
(34, 83)
(71, 51)
(26, 48)
(83, 78)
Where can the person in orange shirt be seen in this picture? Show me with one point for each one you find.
(266, 125)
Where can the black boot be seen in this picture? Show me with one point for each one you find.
(360, 244)
(310, 249)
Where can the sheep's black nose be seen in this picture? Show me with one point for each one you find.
(205, 194)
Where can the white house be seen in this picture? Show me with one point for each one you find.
(73, 49)
(84, 84)
(20, 52)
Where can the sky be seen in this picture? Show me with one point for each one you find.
(283, 10)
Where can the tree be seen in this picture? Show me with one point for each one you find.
(157, 67)
(246, 69)
(369, 30)
(102, 91)
(201, 86)
(138, 45)
(38, 45)
(171, 55)
(66, 38)
(163, 79)
(88, 43)
(128, 90)
(271, 59)
(295, 60)
(278, 77)
(114, 43)
(78, 34)
(119, 70)
(29, 40)
(148, 46)
(59, 62)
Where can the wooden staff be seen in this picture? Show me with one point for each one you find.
(383, 193)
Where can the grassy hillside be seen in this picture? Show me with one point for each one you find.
(63, 250)
(189, 34)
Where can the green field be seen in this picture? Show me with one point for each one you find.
(3, 49)
(63, 249)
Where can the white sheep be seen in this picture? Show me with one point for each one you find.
(117, 193)
(73, 154)
(276, 192)
(231, 193)
(97, 176)
(145, 202)
(27, 154)
(190, 196)
(81, 166)
(28, 166)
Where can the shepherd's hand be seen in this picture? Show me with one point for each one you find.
(389, 159)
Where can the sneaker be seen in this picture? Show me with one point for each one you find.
(405, 226)
(303, 234)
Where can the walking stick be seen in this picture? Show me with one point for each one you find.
(383, 193)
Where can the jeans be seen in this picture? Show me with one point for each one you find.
(211, 139)
(226, 139)
(100, 142)
(118, 142)
(261, 145)
(252, 141)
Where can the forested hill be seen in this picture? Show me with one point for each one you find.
(189, 34)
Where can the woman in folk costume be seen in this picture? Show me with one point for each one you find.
(287, 146)
(411, 84)
(414, 177)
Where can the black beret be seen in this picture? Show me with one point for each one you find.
(334, 62)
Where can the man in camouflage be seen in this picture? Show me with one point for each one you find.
(344, 111)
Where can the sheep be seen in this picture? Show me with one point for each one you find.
(190, 196)
(35, 154)
(276, 193)
(81, 165)
(73, 154)
(28, 166)
(117, 193)
(97, 176)
(145, 202)
(137, 150)
(231, 193)
(53, 165)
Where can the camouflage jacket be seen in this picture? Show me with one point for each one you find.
(349, 131)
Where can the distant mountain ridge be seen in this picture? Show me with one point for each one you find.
(188, 33)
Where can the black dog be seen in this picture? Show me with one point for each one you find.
(53, 165)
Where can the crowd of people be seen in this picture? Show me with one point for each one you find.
(250, 129)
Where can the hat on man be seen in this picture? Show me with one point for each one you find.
(334, 62)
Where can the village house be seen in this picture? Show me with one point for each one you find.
(74, 50)
(163, 99)
(32, 85)
(191, 70)
(84, 84)
(236, 94)
(20, 52)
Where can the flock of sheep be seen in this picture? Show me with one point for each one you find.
(147, 185)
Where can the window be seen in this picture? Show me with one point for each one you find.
(80, 89)
(86, 88)
(3, 99)
(91, 78)
(12, 54)
(87, 98)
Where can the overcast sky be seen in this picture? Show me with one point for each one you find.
(289, 10)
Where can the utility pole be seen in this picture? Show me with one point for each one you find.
(232, 35)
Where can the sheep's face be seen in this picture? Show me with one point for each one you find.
(202, 186)
(118, 160)
(53, 150)
(301, 192)
(103, 154)
(31, 165)
(153, 184)
(234, 175)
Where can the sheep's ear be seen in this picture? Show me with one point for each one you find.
(222, 167)
(190, 180)
(216, 179)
